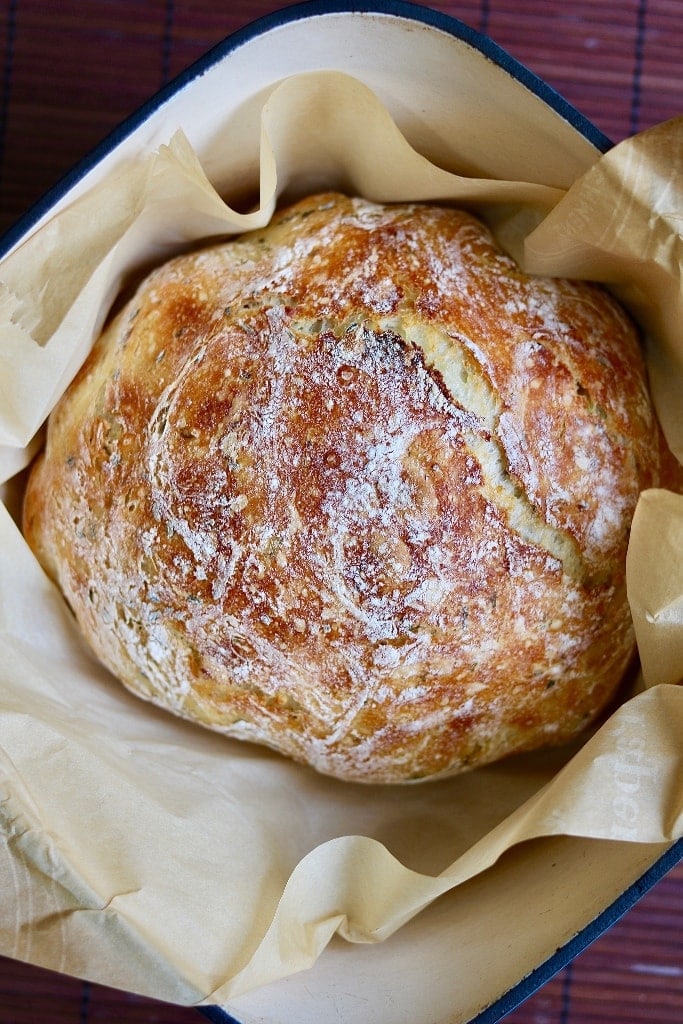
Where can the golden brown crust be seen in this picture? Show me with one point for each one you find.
(354, 487)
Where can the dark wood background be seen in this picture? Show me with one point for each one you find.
(70, 70)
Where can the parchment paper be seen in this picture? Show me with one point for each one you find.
(146, 853)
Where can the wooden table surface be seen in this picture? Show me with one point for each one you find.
(69, 72)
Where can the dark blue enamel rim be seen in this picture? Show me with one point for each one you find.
(601, 142)
(565, 954)
(298, 12)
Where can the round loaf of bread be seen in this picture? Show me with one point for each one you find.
(354, 487)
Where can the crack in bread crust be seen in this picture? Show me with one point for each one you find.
(466, 384)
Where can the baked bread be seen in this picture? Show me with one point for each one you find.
(354, 487)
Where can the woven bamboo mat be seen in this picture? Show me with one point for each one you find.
(70, 72)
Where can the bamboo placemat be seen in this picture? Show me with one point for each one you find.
(69, 73)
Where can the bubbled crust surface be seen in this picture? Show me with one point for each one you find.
(354, 487)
